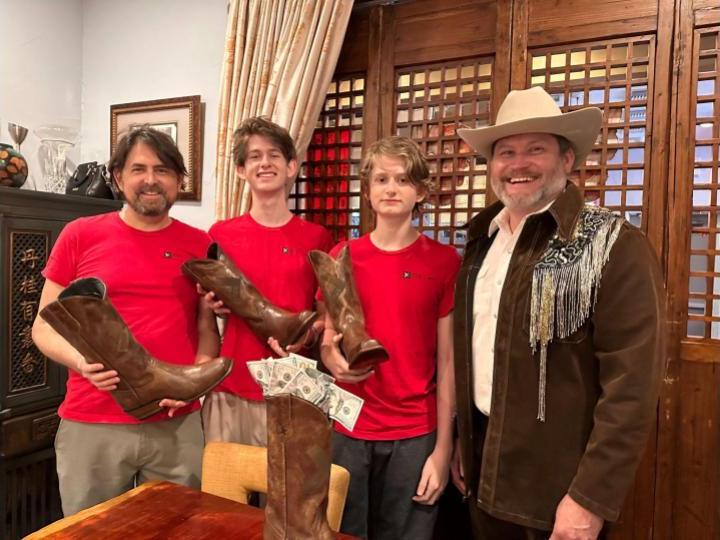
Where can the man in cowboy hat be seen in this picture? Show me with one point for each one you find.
(558, 335)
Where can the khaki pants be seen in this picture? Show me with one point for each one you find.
(229, 418)
(96, 462)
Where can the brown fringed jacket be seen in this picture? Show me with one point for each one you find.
(602, 378)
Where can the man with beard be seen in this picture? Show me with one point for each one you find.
(101, 450)
(558, 336)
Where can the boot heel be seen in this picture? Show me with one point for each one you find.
(144, 411)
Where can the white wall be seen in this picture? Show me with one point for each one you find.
(40, 70)
(136, 50)
(66, 61)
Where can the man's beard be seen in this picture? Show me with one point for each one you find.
(154, 208)
(530, 202)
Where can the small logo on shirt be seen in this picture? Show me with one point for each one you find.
(406, 275)
(168, 255)
(285, 250)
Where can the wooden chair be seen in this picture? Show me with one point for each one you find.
(234, 470)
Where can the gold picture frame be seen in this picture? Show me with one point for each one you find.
(181, 118)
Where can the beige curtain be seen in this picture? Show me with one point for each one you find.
(280, 56)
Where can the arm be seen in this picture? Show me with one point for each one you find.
(208, 334)
(208, 347)
(628, 343)
(55, 347)
(435, 472)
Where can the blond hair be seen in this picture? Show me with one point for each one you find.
(416, 166)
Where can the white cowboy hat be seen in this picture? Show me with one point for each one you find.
(535, 111)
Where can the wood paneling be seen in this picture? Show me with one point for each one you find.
(706, 12)
(696, 502)
(380, 80)
(519, 45)
(430, 31)
(564, 21)
(354, 53)
(700, 351)
(660, 212)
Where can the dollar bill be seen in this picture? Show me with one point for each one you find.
(344, 407)
(260, 371)
(320, 377)
(303, 362)
(283, 372)
(306, 388)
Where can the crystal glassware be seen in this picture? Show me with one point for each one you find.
(55, 141)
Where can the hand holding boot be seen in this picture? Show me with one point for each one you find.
(103, 379)
(333, 359)
(214, 303)
(308, 341)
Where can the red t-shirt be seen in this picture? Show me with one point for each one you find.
(145, 284)
(275, 260)
(403, 293)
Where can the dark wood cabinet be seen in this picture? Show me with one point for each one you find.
(31, 386)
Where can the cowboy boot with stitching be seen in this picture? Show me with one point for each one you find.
(84, 316)
(218, 274)
(299, 459)
(336, 281)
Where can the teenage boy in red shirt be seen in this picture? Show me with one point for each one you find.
(270, 246)
(398, 454)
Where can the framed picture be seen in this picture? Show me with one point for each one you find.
(181, 118)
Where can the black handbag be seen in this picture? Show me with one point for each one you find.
(91, 180)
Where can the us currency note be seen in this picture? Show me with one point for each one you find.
(283, 372)
(344, 407)
(303, 362)
(260, 371)
(305, 387)
(322, 378)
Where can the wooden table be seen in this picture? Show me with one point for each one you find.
(160, 510)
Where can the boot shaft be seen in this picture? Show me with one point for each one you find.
(219, 275)
(89, 322)
(299, 459)
(343, 303)
(97, 331)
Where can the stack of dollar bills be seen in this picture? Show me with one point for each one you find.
(300, 377)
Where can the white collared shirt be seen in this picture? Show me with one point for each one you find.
(486, 303)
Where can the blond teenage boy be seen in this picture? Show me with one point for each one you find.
(399, 452)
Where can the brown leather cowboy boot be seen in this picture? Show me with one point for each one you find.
(341, 298)
(299, 460)
(218, 274)
(88, 321)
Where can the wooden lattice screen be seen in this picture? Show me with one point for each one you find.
(616, 76)
(704, 256)
(432, 101)
(327, 190)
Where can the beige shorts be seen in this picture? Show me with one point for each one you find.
(229, 418)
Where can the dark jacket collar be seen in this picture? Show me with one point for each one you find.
(565, 211)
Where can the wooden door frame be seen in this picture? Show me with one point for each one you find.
(666, 217)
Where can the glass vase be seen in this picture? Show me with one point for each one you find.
(55, 141)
